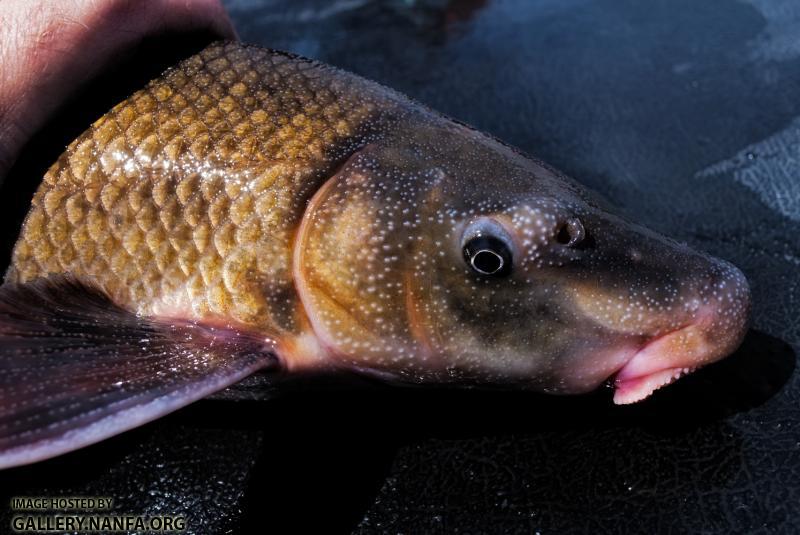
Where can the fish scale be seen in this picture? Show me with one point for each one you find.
(185, 195)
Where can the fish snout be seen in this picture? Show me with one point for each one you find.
(715, 320)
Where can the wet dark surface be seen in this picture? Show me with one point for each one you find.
(683, 113)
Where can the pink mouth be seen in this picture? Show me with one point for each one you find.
(638, 388)
(662, 361)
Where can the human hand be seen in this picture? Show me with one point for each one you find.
(50, 48)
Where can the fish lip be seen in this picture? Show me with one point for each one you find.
(632, 390)
(649, 342)
(633, 386)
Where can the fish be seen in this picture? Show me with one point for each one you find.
(255, 211)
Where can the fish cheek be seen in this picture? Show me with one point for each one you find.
(484, 330)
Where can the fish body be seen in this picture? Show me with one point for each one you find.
(251, 209)
(184, 199)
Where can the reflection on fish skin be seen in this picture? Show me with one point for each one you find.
(257, 195)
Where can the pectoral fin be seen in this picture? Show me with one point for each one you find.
(75, 368)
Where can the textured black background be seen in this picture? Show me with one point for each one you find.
(683, 113)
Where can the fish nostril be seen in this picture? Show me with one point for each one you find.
(571, 233)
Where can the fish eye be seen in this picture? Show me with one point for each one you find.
(487, 249)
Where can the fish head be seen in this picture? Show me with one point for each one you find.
(446, 256)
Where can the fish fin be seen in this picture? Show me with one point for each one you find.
(75, 368)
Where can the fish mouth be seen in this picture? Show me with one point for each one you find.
(669, 356)
(653, 366)
(637, 379)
